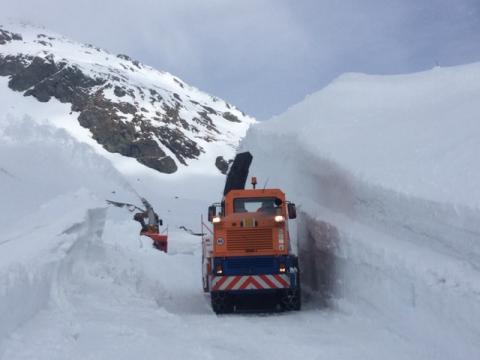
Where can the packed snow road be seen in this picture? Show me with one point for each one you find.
(114, 296)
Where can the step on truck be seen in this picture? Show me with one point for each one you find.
(248, 252)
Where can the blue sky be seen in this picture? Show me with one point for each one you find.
(266, 55)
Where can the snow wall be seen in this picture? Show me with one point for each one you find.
(52, 192)
(385, 173)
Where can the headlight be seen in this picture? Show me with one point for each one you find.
(218, 270)
(282, 268)
(279, 218)
(216, 219)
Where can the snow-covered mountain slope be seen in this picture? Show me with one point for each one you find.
(385, 170)
(116, 103)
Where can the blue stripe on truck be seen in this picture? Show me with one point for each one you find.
(252, 265)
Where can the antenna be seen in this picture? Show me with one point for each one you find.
(266, 182)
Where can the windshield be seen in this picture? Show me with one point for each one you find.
(264, 205)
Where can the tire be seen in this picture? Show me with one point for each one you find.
(221, 302)
(291, 299)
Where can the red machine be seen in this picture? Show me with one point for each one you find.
(151, 228)
(159, 241)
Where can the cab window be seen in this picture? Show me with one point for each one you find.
(263, 205)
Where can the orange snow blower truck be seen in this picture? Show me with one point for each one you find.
(249, 251)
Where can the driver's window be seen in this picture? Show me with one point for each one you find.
(264, 205)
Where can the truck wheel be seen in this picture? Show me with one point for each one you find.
(291, 299)
(221, 303)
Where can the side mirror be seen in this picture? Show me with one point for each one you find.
(292, 211)
(160, 222)
(212, 211)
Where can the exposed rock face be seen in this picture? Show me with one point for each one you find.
(7, 36)
(128, 107)
(230, 117)
(43, 79)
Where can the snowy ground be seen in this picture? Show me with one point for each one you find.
(111, 300)
(389, 273)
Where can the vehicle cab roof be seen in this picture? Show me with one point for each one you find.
(255, 193)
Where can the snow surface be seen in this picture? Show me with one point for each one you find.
(390, 270)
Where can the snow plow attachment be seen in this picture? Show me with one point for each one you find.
(160, 242)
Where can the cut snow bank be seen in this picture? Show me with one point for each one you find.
(28, 278)
(40, 162)
(385, 172)
(48, 182)
(416, 134)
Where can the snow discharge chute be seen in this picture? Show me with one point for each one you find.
(238, 173)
